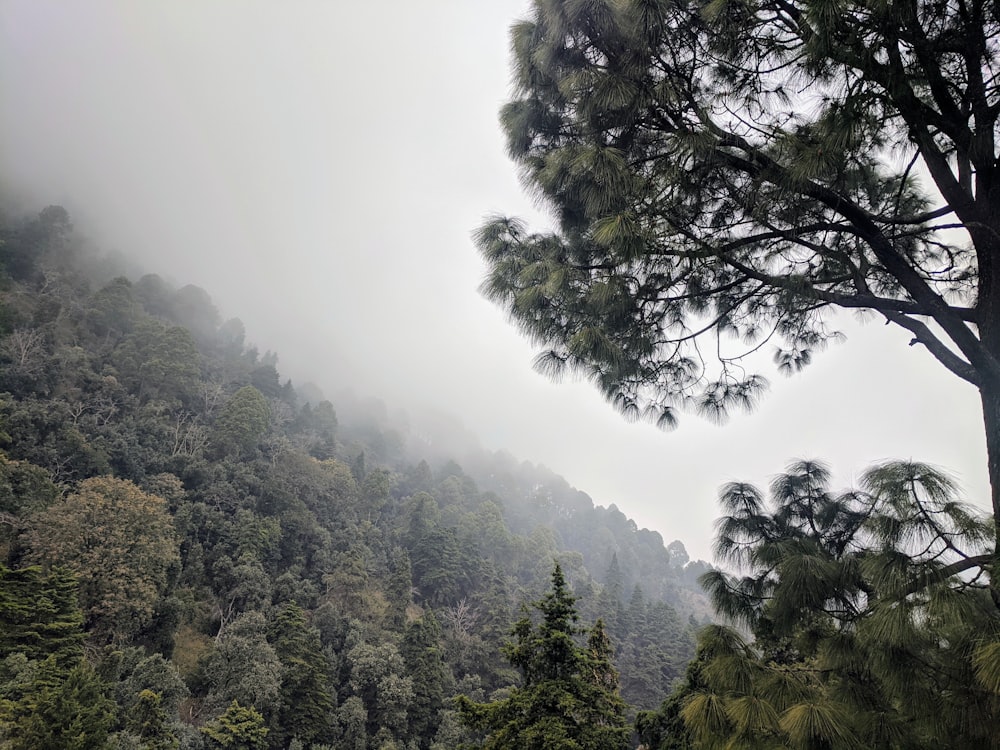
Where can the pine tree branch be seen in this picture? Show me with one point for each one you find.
(929, 578)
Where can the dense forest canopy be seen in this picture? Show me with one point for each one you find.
(197, 553)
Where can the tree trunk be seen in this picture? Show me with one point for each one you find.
(988, 309)
(984, 231)
(991, 419)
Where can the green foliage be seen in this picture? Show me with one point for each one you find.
(112, 310)
(305, 701)
(701, 193)
(239, 728)
(57, 710)
(119, 542)
(870, 610)
(244, 667)
(159, 362)
(40, 615)
(243, 421)
(236, 539)
(378, 677)
(24, 489)
(425, 666)
(569, 697)
(726, 176)
(149, 722)
(42, 433)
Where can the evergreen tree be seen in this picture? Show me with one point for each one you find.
(50, 697)
(872, 620)
(239, 728)
(305, 702)
(726, 174)
(421, 652)
(609, 601)
(568, 699)
(40, 614)
(149, 722)
(58, 710)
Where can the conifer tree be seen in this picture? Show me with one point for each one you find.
(724, 175)
(58, 710)
(40, 614)
(239, 728)
(421, 652)
(305, 701)
(568, 699)
(871, 614)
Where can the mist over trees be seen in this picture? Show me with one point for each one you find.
(725, 175)
(199, 554)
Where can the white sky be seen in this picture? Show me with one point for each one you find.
(318, 167)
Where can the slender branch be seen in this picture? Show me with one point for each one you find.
(929, 578)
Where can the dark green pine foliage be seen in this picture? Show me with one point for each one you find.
(50, 697)
(58, 710)
(149, 722)
(569, 698)
(425, 665)
(439, 569)
(40, 615)
(653, 646)
(871, 613)
(305, 701)
(239, 728)
(609, 601)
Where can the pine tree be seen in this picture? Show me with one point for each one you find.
(421, 652)
(40, 614)
(569, 698)
(305, 702)
(725, 175)
(58, 710)
(869, 630)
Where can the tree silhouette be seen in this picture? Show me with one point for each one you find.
(725, 174)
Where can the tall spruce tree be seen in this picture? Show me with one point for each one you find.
(568, 699)
(306, 705)
(40, 614)
(421, 652)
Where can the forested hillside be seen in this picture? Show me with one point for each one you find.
(197, 552)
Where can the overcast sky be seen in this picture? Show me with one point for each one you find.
(318, 167)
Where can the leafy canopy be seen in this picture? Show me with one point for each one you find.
(872, 620)
(120, 543)
(724, 172)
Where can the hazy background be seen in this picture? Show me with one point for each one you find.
(318, 167)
